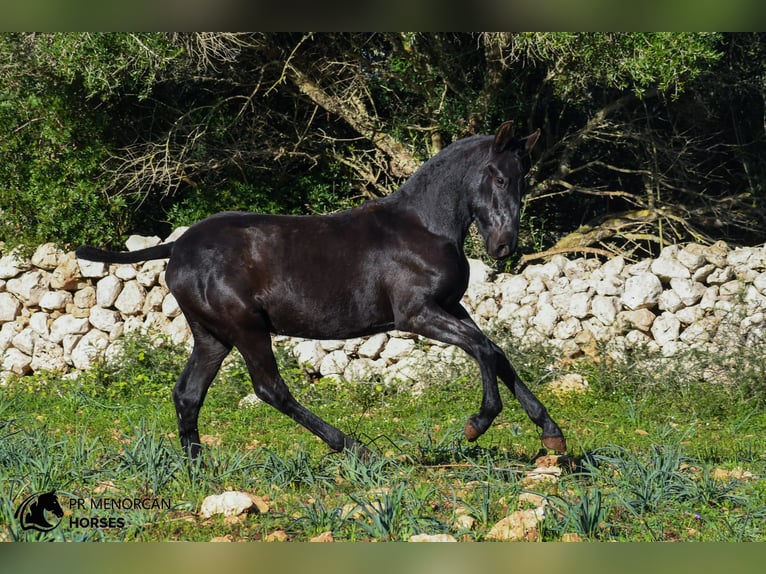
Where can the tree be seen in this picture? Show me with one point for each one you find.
(648, 138)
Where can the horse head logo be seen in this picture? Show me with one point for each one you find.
(35, 512)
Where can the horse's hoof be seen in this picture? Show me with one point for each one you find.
(471, 434)
(557, 443)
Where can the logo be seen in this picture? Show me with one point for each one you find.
(41, 512)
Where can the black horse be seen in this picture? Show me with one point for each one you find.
(392, 263)
(31, 512)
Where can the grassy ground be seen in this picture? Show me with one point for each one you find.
(655, 454)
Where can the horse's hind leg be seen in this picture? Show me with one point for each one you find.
(271, 388)
(192, 385)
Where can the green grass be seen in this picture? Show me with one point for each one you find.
(656, 452)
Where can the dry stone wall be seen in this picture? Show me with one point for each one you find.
(58, 313)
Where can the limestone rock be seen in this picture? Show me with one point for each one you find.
(16, 362)
(11, 265)
(29, 287)
(432, 538)
(232, 503)
(642, 291)
(10, 307)
(131, 299)
(92, 269)
(68, 325)
(519, 525)
(55, 300)
(66, 275)
(373, 346)
(136, 242)
(48, 256)
(666, 328)
(107, 291)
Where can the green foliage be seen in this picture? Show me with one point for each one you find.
(579, 62)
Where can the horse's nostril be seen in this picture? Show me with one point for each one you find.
(503, 251)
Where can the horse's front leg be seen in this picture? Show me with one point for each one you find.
(434, 322)
(552, 436)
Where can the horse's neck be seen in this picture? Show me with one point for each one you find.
(441, 207)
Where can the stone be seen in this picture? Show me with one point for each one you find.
(323, 537)
(519, 525)
(170, 306)
(47, 256)
(154, 299)
(667, 268)
(136, 242)
(666, 328)
(29, 287)
(569, 383)
(25, 341)
(363, 369)
(55, 300)
(179, 331)
(604, 308)
(48, 356)
(610, 286)
(334, 363)
(760, 283)
(89, 349)
(640, 319)
(85, 297)
(397, 348)
(10, 307)
(16, 362)
(579, 306)
(178, 232)
(125, 272)
(567, 328)
(513, 289)
(309, 353)
(38, 322)
(692, 257)
(689, 315)
(92, 269)
(690, 292)
(720, 276)
(432, 538)
(614, 266)
(7, 332)
(249, 401)
(66, 275)
(131, 299)
(545, 319)
(642, 291)
(232, 503)
(107, 291)
(716, 253)
(149, 274)
(68, 325)
(373, 346)
(104, 319)
(11, 265)
(670, 301)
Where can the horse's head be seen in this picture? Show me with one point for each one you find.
(496, 205)
(50, 502)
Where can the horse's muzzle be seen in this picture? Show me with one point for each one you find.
(501, 247)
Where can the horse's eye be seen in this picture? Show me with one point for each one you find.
(500, 181)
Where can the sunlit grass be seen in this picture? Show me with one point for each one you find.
(652, 456)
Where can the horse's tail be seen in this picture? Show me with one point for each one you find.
(89, 253)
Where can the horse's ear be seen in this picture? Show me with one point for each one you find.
(503, 137)
(530, 141)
